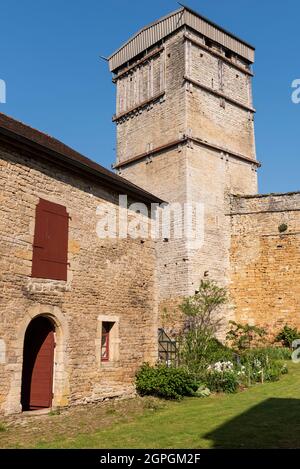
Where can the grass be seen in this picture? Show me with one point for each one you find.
(264, 416)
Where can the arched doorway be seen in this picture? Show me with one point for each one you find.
(38, 360)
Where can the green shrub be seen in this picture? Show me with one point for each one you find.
(274, 371)
(227, 381)
(161, 381)
(265, 355)
(287, 335)
(275, 353)
(216, 351)
(244, 336)
(251, 366)
(213, 352)
(263, 364)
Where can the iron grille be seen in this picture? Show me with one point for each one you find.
(167, 349)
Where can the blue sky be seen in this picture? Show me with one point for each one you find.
(56, 82)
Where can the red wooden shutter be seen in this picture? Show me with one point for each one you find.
(50, 246)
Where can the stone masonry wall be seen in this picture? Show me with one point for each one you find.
(164, 174)
(210, 117)
(162, 121)
(193, 173)
(110, 278)
(265, 264)
(211, 178)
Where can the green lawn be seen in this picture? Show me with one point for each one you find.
(264, 416)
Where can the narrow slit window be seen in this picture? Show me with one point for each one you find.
(105, 341)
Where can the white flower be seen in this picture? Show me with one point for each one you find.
(221, 366)
(257, 363)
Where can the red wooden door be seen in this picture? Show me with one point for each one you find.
(38, 357)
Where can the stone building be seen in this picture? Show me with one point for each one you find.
(185, 132)
(80, 310)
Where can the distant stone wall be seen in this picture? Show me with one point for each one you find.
(106, 278)
(264, 263)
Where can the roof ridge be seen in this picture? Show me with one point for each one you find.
(29, 135)
(144, 28)
(146, 37)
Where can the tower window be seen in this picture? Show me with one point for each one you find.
(228, 54)
(208, 42)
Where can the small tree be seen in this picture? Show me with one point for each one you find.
(201, 324)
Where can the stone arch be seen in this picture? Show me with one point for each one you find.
(60, 374)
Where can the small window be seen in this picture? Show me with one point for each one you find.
(208, 42)
(50, 244)
(105, 342)
(228, 54)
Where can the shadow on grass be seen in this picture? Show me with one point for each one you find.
(275, 423)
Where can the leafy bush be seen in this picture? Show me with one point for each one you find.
(219, 367)
(274, 371)
(216, 351)
(263, 355)
(161, 381)
(225, 381)
(195, 357)
(262, 365)
(244, 336)
(253, 366)
(287, 335)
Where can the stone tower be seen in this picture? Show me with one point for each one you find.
(185, 132)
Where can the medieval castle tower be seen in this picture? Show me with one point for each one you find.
(185, 132)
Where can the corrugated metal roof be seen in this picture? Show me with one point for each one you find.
(155, 32)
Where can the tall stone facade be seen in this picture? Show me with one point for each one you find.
(108, 280)
(185, 132)
(264, 260)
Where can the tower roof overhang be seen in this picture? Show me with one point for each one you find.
(184, 16)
